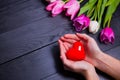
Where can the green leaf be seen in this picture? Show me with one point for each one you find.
(110, 10)
(99, 4)
(109, 2)
(87, 6)
(102, 10)
(94, 17)
(90, 11)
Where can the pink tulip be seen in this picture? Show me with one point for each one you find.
(72, 7)
(107, 35)
(56, 7)
(81, 22)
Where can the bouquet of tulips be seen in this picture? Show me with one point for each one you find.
(90, 15)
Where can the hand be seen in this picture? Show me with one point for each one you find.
(91, 48)
(82, 67)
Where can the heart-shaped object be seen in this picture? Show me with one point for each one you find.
(77, 52)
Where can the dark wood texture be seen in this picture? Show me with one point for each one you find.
(28, 42)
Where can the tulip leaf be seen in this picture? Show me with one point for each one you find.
(110, 10)
(94, 14)
(90, 11)
(99, 4)
(102, 10)
(87, 6)
(109, 2)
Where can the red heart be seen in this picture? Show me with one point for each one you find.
(77, 52)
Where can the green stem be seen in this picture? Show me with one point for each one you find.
(81, 1)
(90, 12)
(109, 21)
(99, 5)
(92, 18)
(65, 0)
(102, 11)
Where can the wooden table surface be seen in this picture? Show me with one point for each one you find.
(28, 42)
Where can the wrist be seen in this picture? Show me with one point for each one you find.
(91, 75)
(97, 58)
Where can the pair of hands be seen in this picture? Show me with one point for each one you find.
(91, 49)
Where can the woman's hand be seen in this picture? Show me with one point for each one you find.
(83, 67)
(94, 55)
(91, 48)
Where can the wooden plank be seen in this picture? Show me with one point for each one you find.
(16, 14)
(73, 76)
(24, 31)
(30, 37)
(20, 4)
(33, 36)
(65, 75)
(114, 52)
(116, 14)
(34, 66)
(43, 64)
(10, 22)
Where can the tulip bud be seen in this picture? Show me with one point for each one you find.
(55, 7)
(107, 35)
(72, 7)
(94, 27)
(81, 22)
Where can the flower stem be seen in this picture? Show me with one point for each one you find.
(65, 0)
(81, 1)
(102, 11)
(109, 20)
(90, 12)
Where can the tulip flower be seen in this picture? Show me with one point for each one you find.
(56, 7)
(72, 8)
(107, 35)
(50, 1)
(94, 27)
(81, 22)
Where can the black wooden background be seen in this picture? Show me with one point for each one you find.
(28, 42)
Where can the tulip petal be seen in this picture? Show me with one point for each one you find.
(94, 27)
(107, 35)
(81, 22)
(58, 8)
(72, 8)
(68, 4)
(50, 6)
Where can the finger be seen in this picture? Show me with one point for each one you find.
(83, 36)
(62, 48)
(67, 46)
(71, 41)
(71, 36)
(65, 61)
(63, 57)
